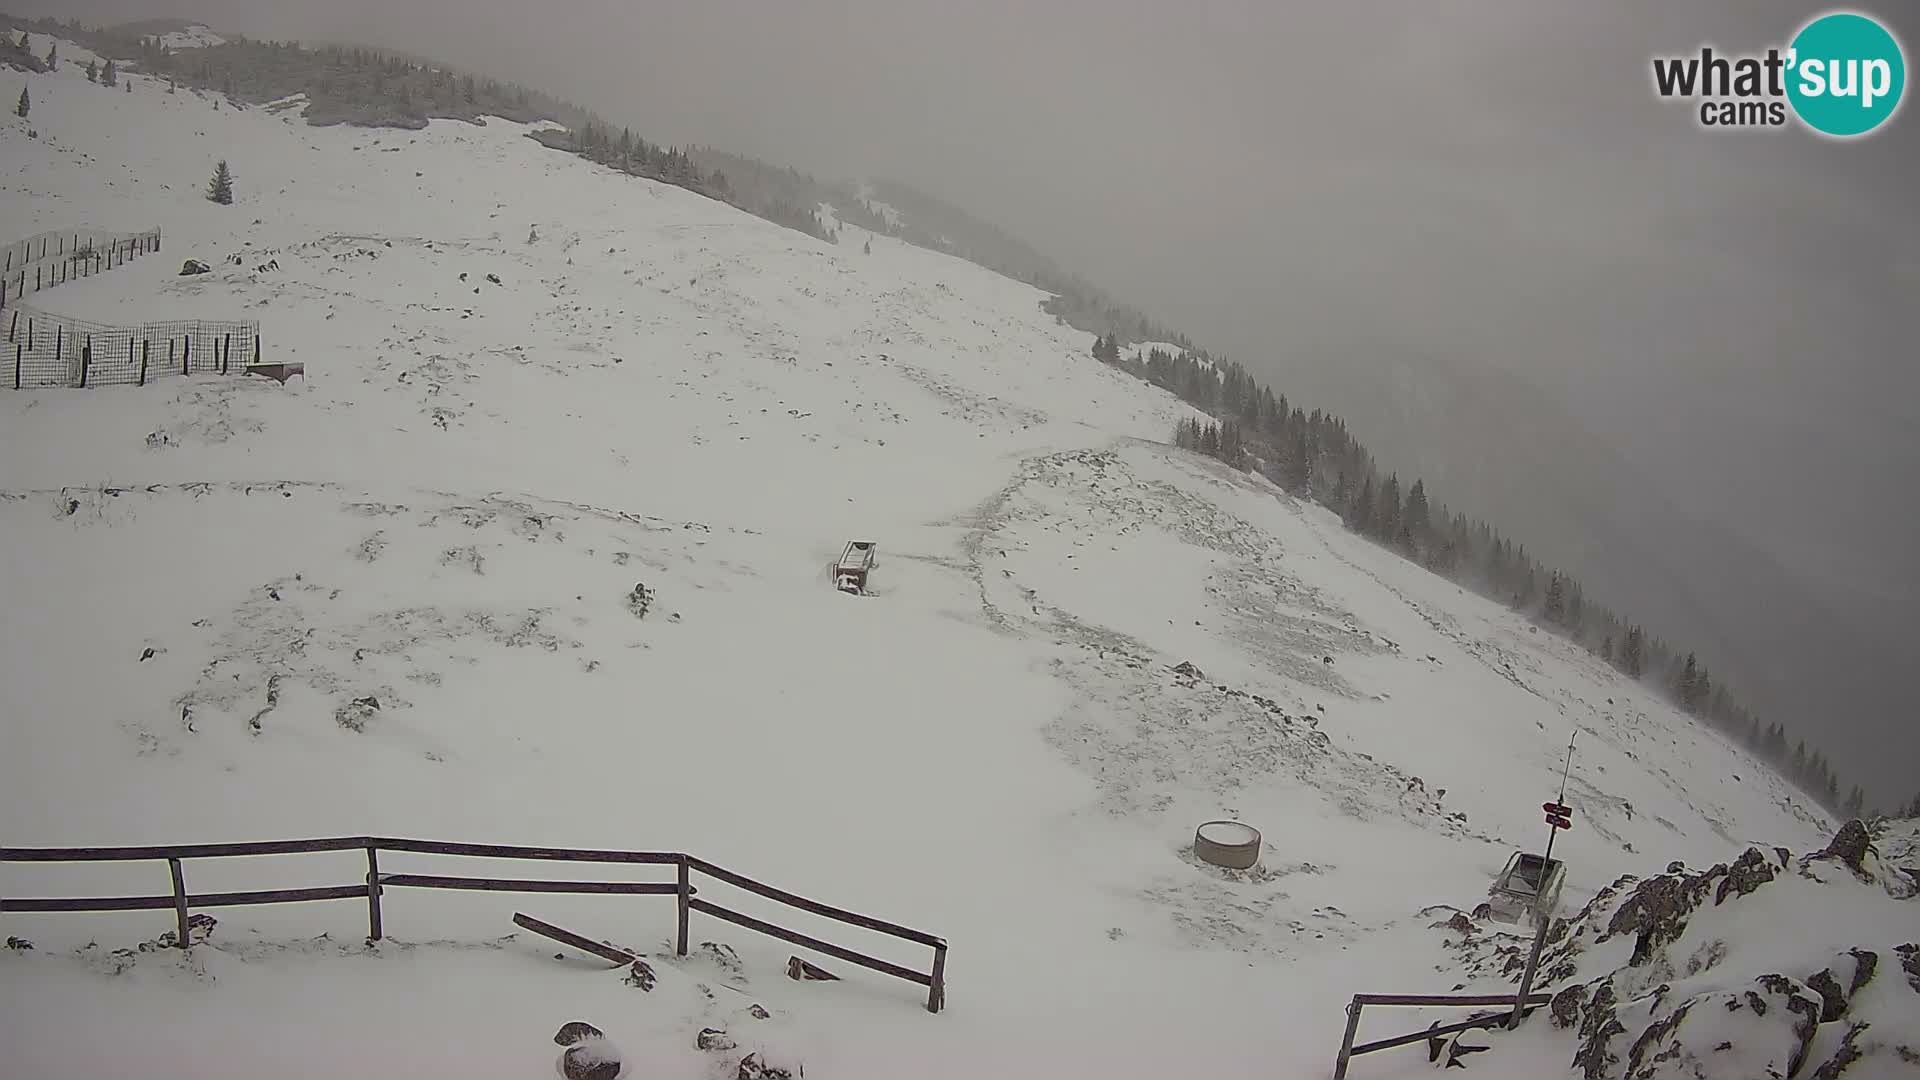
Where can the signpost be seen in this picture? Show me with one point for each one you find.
(1559, 816)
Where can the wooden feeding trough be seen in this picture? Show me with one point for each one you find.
(1528, 889)
(1227, 843)
(856, 563)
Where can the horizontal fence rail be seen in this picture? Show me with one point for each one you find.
(682, 888)
(1348, 1051)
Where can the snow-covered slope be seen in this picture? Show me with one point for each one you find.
(192, 37)
(448, 515)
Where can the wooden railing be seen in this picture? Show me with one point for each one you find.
(1512, 1002)
(682, 888)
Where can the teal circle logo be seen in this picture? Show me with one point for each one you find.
(1846, 76)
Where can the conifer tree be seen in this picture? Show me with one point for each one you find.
(53, 53)
(109, 75)
(93, 71)
(1556, 604)
(220, 188)
(1856, 802)
(26, 104)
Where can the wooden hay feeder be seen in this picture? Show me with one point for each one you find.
(856, 564)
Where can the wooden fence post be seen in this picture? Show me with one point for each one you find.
(686, 891)
(186, 356)
(256, 347)
(86, 361)
(179, 899)
(146, 350)
(18, 346)
(373, 893)
(59, 340)
(1346, 1042)
(228, 359)
(14, 324)
(937, 992)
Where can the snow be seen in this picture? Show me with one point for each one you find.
(449, 512)
(1228, 833)
(193, 37)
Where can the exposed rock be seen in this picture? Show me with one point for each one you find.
(1750, 871)
(590, 1059)
(722, 955)
(754, 1067)
(575, 1030)
(757, 1012)
(1833, 1000)
(714, 1039)
(1186, 669)
(1566, 1006)
(640, 975)
(354, 714)
(1865, 963)
(194, 266)
(1598, 1026)
(1850, 846)
(1657, 912)
(1847, 1054)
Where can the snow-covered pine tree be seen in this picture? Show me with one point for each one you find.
(93, 71)
(26, 104)
(220, 188)
(1556, 605)
(109, 75)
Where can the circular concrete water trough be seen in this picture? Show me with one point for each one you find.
(1227, 843)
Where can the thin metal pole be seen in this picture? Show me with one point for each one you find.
(1553, 831)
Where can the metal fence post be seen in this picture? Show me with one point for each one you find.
(146, 350)
(86, 361)
(179, 899)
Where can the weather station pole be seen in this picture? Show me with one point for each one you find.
(1558, 817)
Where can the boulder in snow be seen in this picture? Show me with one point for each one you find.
(193, 267)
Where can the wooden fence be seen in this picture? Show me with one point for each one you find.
(55, 258)
(1512, 1003)
(681, 888)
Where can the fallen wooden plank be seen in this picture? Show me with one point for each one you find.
(616, 957)
(801, 971)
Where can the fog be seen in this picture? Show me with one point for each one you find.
(1680, 363)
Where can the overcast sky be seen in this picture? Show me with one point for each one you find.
(1460, 225)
